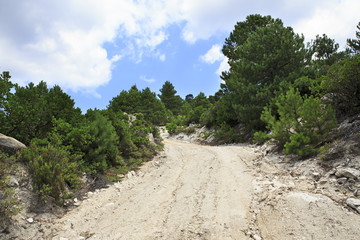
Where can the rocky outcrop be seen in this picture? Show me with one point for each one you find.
(9, 144)
(347, 173)
(354, 203)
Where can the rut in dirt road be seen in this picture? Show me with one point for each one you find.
(189, 192)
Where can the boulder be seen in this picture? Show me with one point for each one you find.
(348, 173)
(354, 203)
(9, 144)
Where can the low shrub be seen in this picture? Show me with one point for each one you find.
(300, 123)
(261, 137)
(10, 205)
(171, 128)
(51, 168)
(186, 130)
(228, 134)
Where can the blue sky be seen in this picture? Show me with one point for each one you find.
(95, 49)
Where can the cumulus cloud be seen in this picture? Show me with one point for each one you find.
(337, 19)
(213, 55)
(62, 42)
(205, 18)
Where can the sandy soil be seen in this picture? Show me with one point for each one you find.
(194, 191)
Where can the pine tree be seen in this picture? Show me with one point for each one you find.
(171, 101)
(102, 151)
(354, 44)
(262, 53)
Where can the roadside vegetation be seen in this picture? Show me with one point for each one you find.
(277, 88)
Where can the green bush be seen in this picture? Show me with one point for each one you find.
(51, 168)
(342, 84)
(196, 114)
(171, 128)
(186, 130)
(9, 203)
(300, 124)
(156, 133)
(134, 144)
(261, 137)
(283, 123)
(120, 122)
(102, 152)
(227, 134)
(299, 144)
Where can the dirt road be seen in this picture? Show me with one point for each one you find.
(192, 191)
(189, 192)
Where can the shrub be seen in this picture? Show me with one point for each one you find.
(9, 203)
(51, 167)
(299, 144)
(284, 122)
(171, 128)
(228, 134)
(156, 133)
(342, 85)
(140, 131)
(300, 123)
(102, 152)
(196, 114)
(186, 130)
(260, 137)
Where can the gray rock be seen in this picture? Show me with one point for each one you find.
(157, 141)
(347, 172)
(316, 176)
(13, 182)
(9, 144)
(354, 203)
(257, 237)
(341, 180)
(151, 138)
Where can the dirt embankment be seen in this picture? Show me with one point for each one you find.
(194, 191)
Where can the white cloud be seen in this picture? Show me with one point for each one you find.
(215, 55)
(206, 18)
(224, 66)
(62, 42)
(337, 19)
(146, 79)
